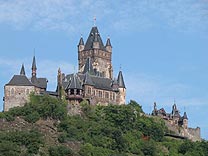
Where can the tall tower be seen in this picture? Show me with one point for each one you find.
(99, 54)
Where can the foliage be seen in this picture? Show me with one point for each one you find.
(11, 143)
(114, 130)
(39, 106)
(60, 151)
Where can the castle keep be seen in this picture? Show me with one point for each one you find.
(94, 81)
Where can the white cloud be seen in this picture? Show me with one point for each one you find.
(147, 89)
(134, 15)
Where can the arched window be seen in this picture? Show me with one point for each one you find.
(12, 91)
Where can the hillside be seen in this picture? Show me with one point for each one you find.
(42, 127)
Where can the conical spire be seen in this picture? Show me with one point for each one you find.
(121, 83)
(88, 67)
(22, 72)
(34, 64)
(108, 43)
(185, 116)
(81, 41)
(34, 68)
(75, 84)
(94, 36)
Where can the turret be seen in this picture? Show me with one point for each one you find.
(74, 89)
(22, 72)
(81, 44)
(34, 68)
(122, 88)
(185, 120)
(108, 46)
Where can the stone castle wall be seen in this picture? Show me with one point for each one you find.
(16, 96)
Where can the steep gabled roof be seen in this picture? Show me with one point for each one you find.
(88, 67)
(39, 82)
(20, 80)
(88, 79)
(120, 79)
(94, 36)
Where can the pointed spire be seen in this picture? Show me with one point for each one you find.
(22, 72)
(88, 67)
(108, 43)
(185, 116)
(75, 83)
(120, 79)
(81, 41)
(34, 68)
(94, 36)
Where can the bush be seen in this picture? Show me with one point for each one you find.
(60, 151)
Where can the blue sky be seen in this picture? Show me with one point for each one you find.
(160, 45)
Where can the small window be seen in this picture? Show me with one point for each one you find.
(113, 96)
(12, 91)
(106, 95)
(100, 94)
(89, 90)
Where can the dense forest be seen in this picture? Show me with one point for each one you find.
(96, 131)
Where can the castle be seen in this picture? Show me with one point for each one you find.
(94, 81)
(177, 123)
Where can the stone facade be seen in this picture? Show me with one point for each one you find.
(18, 89)
(94, 81)
(177, 123)
(16, 96)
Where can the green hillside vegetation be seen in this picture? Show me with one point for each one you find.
(98, 131)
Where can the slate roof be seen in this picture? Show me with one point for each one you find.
(88, 80)
(185, 116)
(81, 41)
(34, 63)
(75, 83)
(20, 80)
(39, 82)
(94, 36)
(88, 67)
(98, 82)
(22, 72)
(121, 80)
(108, 43)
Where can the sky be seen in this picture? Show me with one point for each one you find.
(161, 46)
